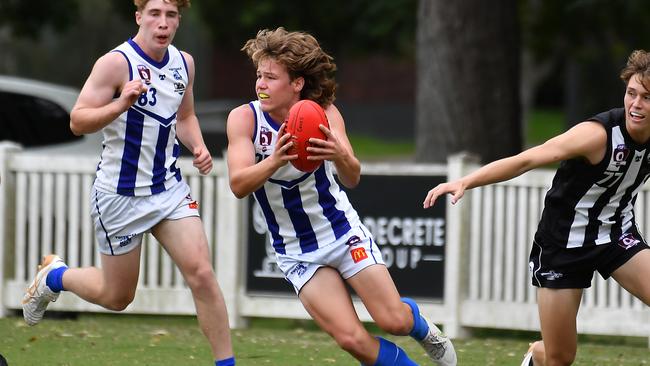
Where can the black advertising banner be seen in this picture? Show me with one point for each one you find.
(411, 239)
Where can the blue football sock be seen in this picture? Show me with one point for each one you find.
(54, 279)
(225, 362)
(391, 355)
(420, 326)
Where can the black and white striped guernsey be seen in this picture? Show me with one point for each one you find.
(591, 205)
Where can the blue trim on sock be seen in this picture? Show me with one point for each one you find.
(391, 355)
(54, 279)
(420, 326)
(387, 352)
(225, 362)
(403, 359)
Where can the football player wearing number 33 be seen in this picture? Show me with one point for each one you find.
(140, 96)
(319, 241)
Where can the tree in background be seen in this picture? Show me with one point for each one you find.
(584, 43)
(352, 26)
(468, 79)
(27, 18)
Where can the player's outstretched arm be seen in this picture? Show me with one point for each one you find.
(95, 107)
(586, 140)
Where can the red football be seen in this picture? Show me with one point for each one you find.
(302, 124)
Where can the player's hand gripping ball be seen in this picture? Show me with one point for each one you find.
(302, 124)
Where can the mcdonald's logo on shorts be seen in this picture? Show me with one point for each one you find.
(358, 254)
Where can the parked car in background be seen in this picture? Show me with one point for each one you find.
(36, 115)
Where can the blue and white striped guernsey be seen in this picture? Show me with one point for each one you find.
(303, 211)
(140, 147)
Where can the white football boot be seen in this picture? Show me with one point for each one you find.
(38, 295)
(438, 346)
(528, 357)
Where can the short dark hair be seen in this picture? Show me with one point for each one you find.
(637, 63)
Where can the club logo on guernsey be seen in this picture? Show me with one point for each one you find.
(176, 74)
(145, 74)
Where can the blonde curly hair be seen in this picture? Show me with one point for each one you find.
(303, 57)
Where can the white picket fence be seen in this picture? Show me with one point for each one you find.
(44, 208)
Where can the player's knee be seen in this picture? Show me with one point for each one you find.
(349, 341)
(560, 358)
(119, 303)
(396, 322)
(201, 277)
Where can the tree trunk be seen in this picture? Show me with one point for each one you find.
(468, 79)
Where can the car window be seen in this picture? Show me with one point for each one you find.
(33, 121)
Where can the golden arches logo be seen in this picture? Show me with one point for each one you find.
(358, 254)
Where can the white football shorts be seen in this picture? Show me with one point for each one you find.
(350, 254)
(121, 221)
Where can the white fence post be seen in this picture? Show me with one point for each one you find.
(7, 148)
(456, 262)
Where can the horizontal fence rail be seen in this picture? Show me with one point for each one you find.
(44, 208)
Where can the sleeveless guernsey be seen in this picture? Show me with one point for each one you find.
(140, 147)
(303, 211)
(590, 205)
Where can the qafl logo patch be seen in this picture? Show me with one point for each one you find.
(620, 154)
(627, 241)
(145, 74)
(265, 138)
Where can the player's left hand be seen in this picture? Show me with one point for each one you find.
(202, 159)
(330, 149)
(456, 188)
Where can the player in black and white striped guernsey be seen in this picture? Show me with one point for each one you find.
(588, 222)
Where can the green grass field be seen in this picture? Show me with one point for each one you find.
(106, 339)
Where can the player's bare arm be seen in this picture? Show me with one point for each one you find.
(188, 129)
(337, 148)
(95, 107)
(586, 140)
(246, 176)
